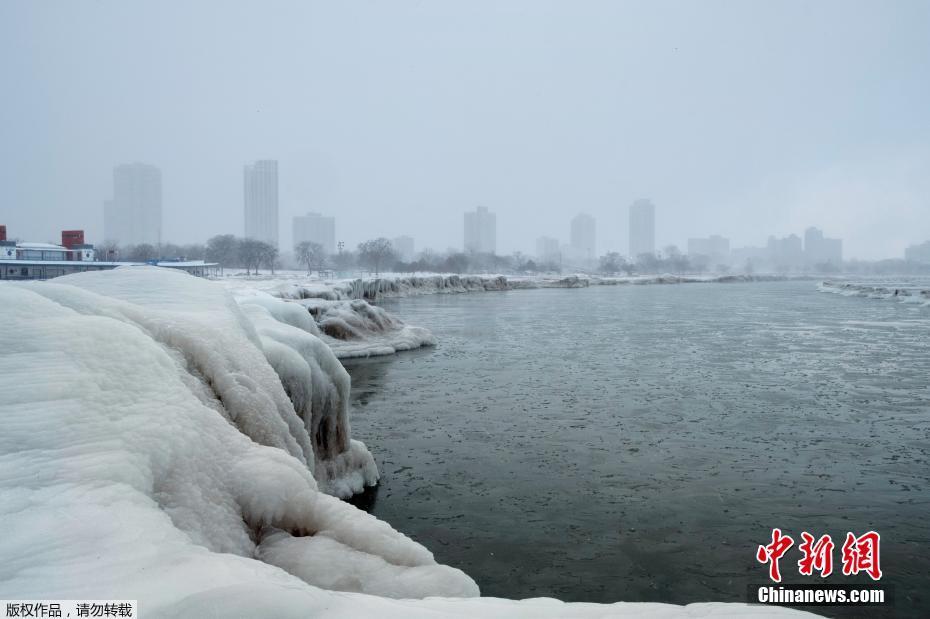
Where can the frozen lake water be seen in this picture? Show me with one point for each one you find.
(637, 443)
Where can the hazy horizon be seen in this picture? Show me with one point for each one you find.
(734, 118)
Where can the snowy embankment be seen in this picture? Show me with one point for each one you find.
(298, 286)
(160, 442)
(904, 292)
(351, 328)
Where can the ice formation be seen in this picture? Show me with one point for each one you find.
(155, 445)
(299, 286)
(357, 329)
(905, 292)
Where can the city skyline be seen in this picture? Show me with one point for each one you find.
(134, 213)
(815, 132)
(582, 228)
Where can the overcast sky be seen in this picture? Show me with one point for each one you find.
(738, 118)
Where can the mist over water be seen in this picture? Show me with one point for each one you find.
(637, 443)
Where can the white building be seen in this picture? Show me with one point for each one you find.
(260, 193)
(918, 253)
(785, 253)
(583, 239)
(404, 247)
(316, 228)
(819, 251)
(133, 215)
(547, 250)
(481, 231)
(642, 228)
(715, 248)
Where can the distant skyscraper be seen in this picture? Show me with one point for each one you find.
(547, 249)
(642, 228)
(133, 216)
(715, 248)
(819, 250)
(403, 245)
(481, 231)
(261, 201)
(786, 253)
(918, 253)
(583, 237)
(315, 228)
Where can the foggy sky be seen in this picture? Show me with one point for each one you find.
(738, 118)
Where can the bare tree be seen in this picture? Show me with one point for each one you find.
(310, 254)
(250, 254)
(143, 252)
(269, 256)
(108, 251)
(224, 249)
(611, 263)
(376, 254)
(675, 260)
(647, 263)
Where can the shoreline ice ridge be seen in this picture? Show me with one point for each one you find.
(390, 286)
(903, 292)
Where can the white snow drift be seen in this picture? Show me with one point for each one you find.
(158, 443)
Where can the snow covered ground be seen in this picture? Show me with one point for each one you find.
(160, 441)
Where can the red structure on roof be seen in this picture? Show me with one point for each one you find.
(70, 238)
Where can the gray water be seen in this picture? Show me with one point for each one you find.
(638, 443)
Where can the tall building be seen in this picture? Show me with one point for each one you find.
(785, 253)
(918, 253)
(820, 251)
(547, 249)
(260, 192)
(583, 237)
(642, 228)
(715, 248)
(481, 231)
(133, 215)
(316, 228)
(404, 247)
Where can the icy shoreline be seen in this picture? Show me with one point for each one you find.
(297, 286)
(163, 442)
(904, 292)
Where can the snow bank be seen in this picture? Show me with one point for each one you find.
(905, 292)
(149, 450)
(350, 328)
(247, 363)
(124, 454)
